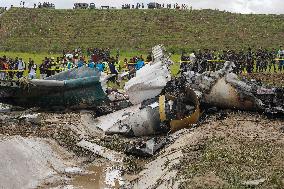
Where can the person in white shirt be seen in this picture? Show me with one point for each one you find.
(32, 70)
(21, 68)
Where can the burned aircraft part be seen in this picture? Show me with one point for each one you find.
(204, 82)
(150, 118)
(141, 123)
(148, 148)
(191, 119)
(224, 89)
(78, 88)
(224, 95)
(151, 79)
(159, 53)
(184, 110)
(107, 121)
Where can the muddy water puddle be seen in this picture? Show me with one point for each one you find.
(101, 176)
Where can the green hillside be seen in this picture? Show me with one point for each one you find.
(43, 30)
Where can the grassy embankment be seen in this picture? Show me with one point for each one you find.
(43, 30)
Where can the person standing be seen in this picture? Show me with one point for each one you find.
(91, 64)
(81, 62)
(20, 68)
(250, 61)
(42, 70)
(100, 66)
(258, 60)
(281, 59)
(2, 72)
(69, 65)
(113, 72)
(140, 63)
(52, 66)
(32, 70)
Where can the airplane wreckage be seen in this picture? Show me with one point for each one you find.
(156, 102)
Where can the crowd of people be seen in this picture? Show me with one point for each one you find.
(249, 61)
(11, 68)
(154, 5)
(44, 5)
(100, 59)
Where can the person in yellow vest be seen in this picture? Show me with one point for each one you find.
(57, 65)
(125, 65)
(106, 70)
(53, 66)
(117, 66)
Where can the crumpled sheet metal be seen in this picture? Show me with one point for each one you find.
(148, 83)
(151, 79)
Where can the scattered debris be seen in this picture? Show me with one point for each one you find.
(148, 148)
(4, 108)
(253, 183)
(74, 171)
(101, 151)
(31, 118)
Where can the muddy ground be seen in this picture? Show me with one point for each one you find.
(228, 150)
